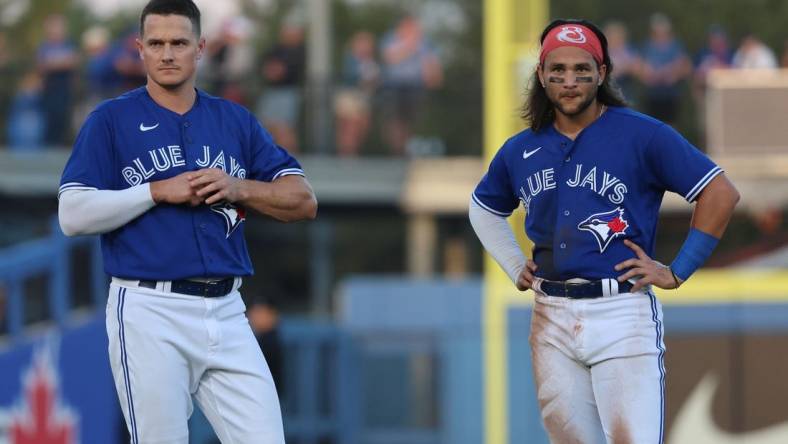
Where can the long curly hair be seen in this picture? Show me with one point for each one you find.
(539, 111)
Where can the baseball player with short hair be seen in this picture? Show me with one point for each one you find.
(165, 174)
(591, 175)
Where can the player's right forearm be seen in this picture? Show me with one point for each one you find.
(99, 211)
(288, 199)
(498, 239)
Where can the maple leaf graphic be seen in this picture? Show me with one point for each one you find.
(41, 424)
(617, 225)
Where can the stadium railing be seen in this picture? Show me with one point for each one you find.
(50, 257)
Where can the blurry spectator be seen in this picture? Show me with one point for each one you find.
(410, 68)
(230, 60)
(665, 65)
(126, 61)
(5, 55)
(26, 121)
(98, 74)
(57, 61)
(784, 56)
(111, 67)
(283, 71)
(360, 78)
(717, 54)
(3, 326)
(264, 319)
(625, 59)
(8, 80)
(98, 66)
(754, 54)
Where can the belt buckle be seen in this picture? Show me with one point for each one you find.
(208, 287)
(569, 285)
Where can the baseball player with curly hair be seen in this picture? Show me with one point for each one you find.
(165, 173)
(591, 175)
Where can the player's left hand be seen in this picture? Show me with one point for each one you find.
(646, 269)
(214, 185)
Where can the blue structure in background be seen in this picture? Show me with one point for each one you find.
(48, 257)
(73, 379)
(432, 330)
(320, 404)
(402, 362)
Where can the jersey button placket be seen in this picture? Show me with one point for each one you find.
(186, 136)
(567, 148)
(563, 202)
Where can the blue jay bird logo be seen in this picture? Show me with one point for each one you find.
(605, 226)
(233, 215)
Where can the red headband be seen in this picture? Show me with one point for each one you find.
(572, 35)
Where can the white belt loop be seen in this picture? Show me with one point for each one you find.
(125, 282)
(607, 287)
(536, 285)
(237, 282)
(613, 286)
(164, 286)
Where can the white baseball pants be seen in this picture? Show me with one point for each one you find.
(598, 368)
(167, 348)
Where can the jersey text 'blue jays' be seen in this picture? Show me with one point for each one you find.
(583, 197)
(131, 140)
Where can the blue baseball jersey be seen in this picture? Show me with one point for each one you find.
(583, 197)
(130, 140)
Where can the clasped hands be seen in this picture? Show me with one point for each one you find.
(205, 186)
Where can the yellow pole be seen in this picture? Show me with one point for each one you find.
(511, 29)
(497, 79)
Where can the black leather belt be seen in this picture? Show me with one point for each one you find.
(582, 290)
(213, 289)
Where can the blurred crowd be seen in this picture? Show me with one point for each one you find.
(653, 75)
(381, 86)
(51, 98)
(390, 75)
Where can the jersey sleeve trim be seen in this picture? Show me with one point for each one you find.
(486, 207)
(288, 172)
(73, 186)
(695, 191)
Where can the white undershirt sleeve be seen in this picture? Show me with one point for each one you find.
(91, 211)
(498, 239)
